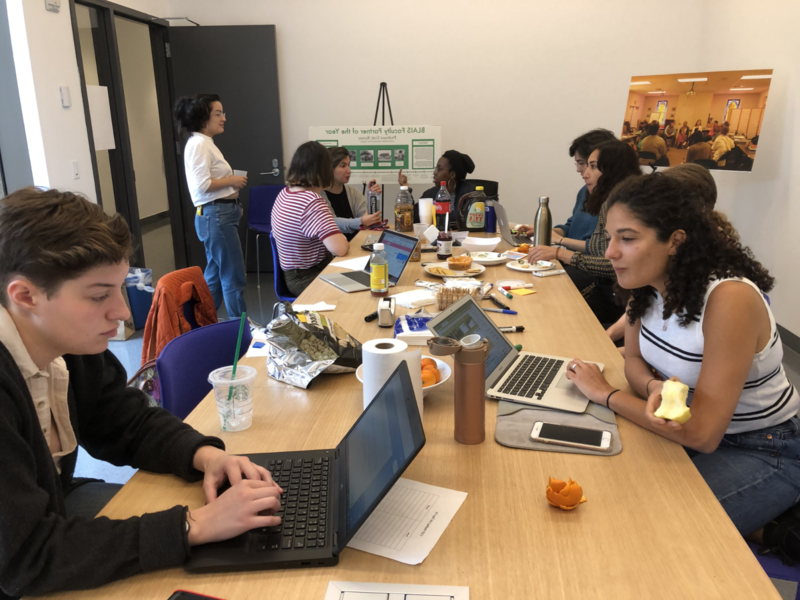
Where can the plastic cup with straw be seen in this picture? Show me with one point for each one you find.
(235, 410)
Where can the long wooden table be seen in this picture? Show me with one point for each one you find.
(651, 527)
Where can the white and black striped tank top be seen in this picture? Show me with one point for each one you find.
(767, 398)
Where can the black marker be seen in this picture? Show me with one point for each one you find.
(515, 329)
(371, 317)
(494, 299)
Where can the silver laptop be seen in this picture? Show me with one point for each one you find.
(536, 379)
(398, 247)
(505, 227)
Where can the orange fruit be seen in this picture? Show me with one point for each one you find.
(433, 370)
(428, 362)
(428, 378)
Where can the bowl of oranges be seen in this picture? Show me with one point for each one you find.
(434, 373)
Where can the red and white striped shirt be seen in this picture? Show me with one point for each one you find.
(300, 221)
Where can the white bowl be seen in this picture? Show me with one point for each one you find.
(443, 367)
(474, 244)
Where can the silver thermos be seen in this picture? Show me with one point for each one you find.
(543, 225)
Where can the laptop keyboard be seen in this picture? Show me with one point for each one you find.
(522, 239)
(359, 276)
(531, 377)
(304, 505)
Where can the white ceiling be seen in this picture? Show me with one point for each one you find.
(719, 82)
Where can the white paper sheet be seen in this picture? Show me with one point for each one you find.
(409, 521)
(358, 590)
(319, 307)
(353, 264)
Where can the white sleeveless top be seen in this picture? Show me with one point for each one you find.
(768, 398)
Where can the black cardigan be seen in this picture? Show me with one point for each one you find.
(41, 550)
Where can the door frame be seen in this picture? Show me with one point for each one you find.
(121, 159)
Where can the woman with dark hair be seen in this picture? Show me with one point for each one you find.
(347, 203)
(302, 223)
(452, 168)
(698, 314)
(609, 164)
(683, 135)
(215, 193)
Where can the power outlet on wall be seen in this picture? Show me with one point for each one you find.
(52, 5)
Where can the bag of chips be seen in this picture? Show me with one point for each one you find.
(305, 344)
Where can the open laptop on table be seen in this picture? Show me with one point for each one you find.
(398, 247)
(505, 227)
(328, 494)
(524, 377)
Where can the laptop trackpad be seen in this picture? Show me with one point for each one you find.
(566, 384)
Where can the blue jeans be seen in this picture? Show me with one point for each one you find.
(755, 475)
(218, 229)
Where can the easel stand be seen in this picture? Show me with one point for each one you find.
(383, 103)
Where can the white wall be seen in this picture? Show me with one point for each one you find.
(44, 53)
(512, 83)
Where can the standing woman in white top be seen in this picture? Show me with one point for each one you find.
(215, 192)
(698, 314)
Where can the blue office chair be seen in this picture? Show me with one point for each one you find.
(259, 219)
(775, 569)
(185, 363)
(281, 289)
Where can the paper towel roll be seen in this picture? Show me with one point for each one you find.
(380, 358)
(426, 210)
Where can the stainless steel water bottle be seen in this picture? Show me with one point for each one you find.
(543, 225)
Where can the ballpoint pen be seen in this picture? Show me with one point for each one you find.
(494, 299)
(501, 310)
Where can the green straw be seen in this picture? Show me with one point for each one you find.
(236, 356)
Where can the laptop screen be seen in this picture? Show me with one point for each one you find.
(381, 444)
(398, 249)
(468, 319)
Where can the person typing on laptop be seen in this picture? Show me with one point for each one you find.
(63, 263)
(304, 228)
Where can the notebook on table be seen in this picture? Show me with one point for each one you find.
(328, 494)
(535, 379)
(398, 247)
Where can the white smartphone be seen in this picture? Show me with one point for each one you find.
(576, 437)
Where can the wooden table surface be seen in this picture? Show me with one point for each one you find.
(651, 527)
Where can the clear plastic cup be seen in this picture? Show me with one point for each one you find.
(235, 414)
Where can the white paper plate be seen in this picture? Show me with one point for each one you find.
(457, 273)
(487, 258)
(515, 266)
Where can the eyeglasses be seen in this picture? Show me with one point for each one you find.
(218, 114)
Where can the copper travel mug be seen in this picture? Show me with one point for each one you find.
(470, 386)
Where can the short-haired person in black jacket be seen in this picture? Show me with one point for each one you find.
(62, 266)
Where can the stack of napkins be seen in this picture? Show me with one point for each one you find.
(415, 298)
(413, 329)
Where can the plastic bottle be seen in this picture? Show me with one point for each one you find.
(543, 224)
(416, 255)
(373, 202)
(378, 271)
(491, 217)
(442, 205)
(403, 211)
(476, 210)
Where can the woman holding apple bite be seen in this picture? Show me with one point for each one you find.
(698, 314)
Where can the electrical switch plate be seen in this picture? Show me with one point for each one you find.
(66, 97)
(75, 173)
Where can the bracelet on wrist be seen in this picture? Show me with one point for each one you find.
(647, 387)
(608, 398)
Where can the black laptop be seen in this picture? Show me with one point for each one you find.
(328, 494)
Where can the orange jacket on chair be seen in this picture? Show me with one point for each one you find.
(165, 320)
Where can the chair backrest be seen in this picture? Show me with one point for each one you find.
(281, 289)
(185, 363)
(259, 210)
(707, 163)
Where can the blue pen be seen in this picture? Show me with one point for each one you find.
(499, 310)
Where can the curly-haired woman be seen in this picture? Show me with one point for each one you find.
(698, 314)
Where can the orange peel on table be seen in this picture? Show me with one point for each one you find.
(564, 495)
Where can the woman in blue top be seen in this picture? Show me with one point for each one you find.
(698, 314)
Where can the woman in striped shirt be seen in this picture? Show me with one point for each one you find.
(698, 314)
(302, 224)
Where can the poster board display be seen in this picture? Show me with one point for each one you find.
(379, 152)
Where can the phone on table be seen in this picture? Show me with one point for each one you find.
(575, 437)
